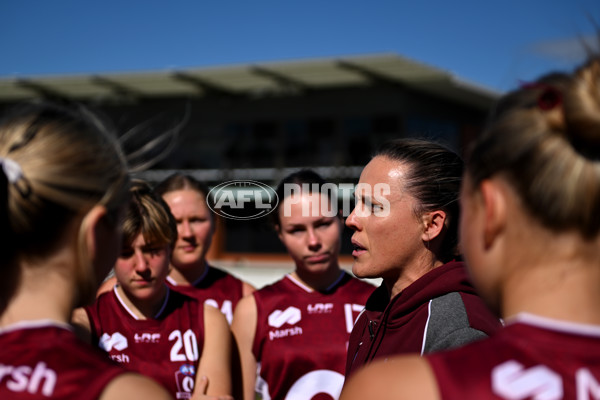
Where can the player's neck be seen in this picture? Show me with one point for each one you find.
(563, 284)
(422, 264)
(143, 308)
(319, 281)
(40, 296)
(189, 274)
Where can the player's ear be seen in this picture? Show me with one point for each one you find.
(494, 203)
(433, 223)
(94, 226)
(278, 230)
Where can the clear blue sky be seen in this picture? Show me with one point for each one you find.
(492, 43)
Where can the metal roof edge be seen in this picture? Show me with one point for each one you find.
(376, 63)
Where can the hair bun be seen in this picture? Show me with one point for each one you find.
(582, 110)
(140, 186)
(549, 98)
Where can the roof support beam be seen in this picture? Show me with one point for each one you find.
(117, 88)
(287, 83)
(204, 86)
(371, 75)
(43, 90)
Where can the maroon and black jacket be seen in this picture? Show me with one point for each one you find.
(440, 310)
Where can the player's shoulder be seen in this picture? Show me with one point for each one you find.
(220, 273)
(399, 377)
(133, 386)
(104, 304)
(361, 283)
(280, 286)
(181, 294)
(356, 285)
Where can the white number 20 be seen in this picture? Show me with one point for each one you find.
(187, 342)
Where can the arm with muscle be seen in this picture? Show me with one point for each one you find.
(213, 377)
(244, 330)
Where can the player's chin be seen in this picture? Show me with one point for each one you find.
(361, 269)
(186, 260)
(317, 268)
(144, 291)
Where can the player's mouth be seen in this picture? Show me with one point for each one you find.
(359, 249)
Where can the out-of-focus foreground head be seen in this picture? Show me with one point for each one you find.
(544, 140)
(57, 164)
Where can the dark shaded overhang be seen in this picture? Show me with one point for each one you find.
(253, 80)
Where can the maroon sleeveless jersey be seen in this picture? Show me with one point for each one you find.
(167, 347)
(531, 358)
(215, 287)
(302, 336)
(45, 360)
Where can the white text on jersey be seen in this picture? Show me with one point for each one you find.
(23, 378)
(511, 380)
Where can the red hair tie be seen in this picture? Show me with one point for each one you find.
(549, 98)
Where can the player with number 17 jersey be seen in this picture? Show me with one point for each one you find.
(167, 347)
(302, 336)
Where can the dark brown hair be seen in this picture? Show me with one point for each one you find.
(306, 178)
(433, 178)
(149, 215)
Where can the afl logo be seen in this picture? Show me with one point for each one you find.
(242, 200)
(187, 370)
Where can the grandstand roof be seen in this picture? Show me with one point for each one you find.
(252, 80)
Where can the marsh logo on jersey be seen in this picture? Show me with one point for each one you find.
(23, 378)
(511, 380)
(290, 315)
(278, 318)
(115, 341)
